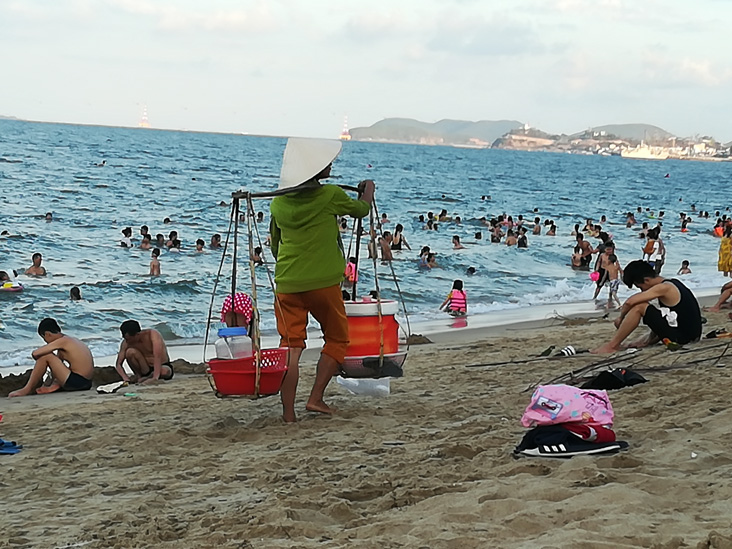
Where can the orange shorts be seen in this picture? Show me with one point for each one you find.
(326, 306)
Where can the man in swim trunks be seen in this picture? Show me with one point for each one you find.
(310, 263)
(678, 318)
(36, 269)
(586, 251)
(69, 360)
(145, 353)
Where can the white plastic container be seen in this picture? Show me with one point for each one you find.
(233, 343)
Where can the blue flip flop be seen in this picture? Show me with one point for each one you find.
(9, 447)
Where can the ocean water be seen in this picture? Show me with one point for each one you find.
(153, 174)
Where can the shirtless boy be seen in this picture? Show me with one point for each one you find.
(145, 353)
(36, 269)
(155, 262)
(601, 267)
(678, 318)
(76, 376)
(614, 272)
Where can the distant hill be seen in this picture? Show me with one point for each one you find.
(8, 117)
(634, 132)
(444, 132)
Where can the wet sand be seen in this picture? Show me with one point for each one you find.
(428, 466)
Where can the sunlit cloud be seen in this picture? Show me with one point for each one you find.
(258, 18)
(673, 72)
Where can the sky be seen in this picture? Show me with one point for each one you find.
(286, 67)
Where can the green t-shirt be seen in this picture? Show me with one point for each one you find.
(305, 237)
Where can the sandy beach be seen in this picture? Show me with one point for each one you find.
(428, 466)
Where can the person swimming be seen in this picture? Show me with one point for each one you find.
(126, 241)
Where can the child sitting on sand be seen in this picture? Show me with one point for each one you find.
(456, 301)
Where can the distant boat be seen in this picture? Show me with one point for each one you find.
(144, 122)
(644, 152)
(345, 135)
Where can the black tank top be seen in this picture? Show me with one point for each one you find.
(688, 314)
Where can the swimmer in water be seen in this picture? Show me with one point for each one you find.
(431, 261)
(126, 241)
(155, 263)
(146, 243)
(257, 256)
(215, 242)
(456, 243)
(199, 246)
(49, 216)
(75, 294)
(159, 240)
(171, 238)
(36, 269)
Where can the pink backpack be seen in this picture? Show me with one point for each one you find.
(554, 404)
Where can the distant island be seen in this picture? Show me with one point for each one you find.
(631, 140)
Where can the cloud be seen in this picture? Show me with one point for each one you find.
(486, 37)
(378, 26)
(684, 72)
(259, 18)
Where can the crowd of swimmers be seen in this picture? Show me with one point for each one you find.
(600, 258)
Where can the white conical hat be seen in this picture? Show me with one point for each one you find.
(305, 158)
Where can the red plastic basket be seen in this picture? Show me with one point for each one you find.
(237, 376)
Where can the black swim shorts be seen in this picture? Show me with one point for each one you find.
(162, 376)
(659, 325)
(76, 382)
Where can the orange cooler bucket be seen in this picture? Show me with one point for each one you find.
(364, 331)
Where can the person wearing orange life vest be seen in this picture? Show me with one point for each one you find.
(456, 302)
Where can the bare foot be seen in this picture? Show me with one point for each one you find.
(319, 406)
(20, 393)
(50, 389)
(289, 417)
(605, 349)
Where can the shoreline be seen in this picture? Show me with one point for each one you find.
(445, 329)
